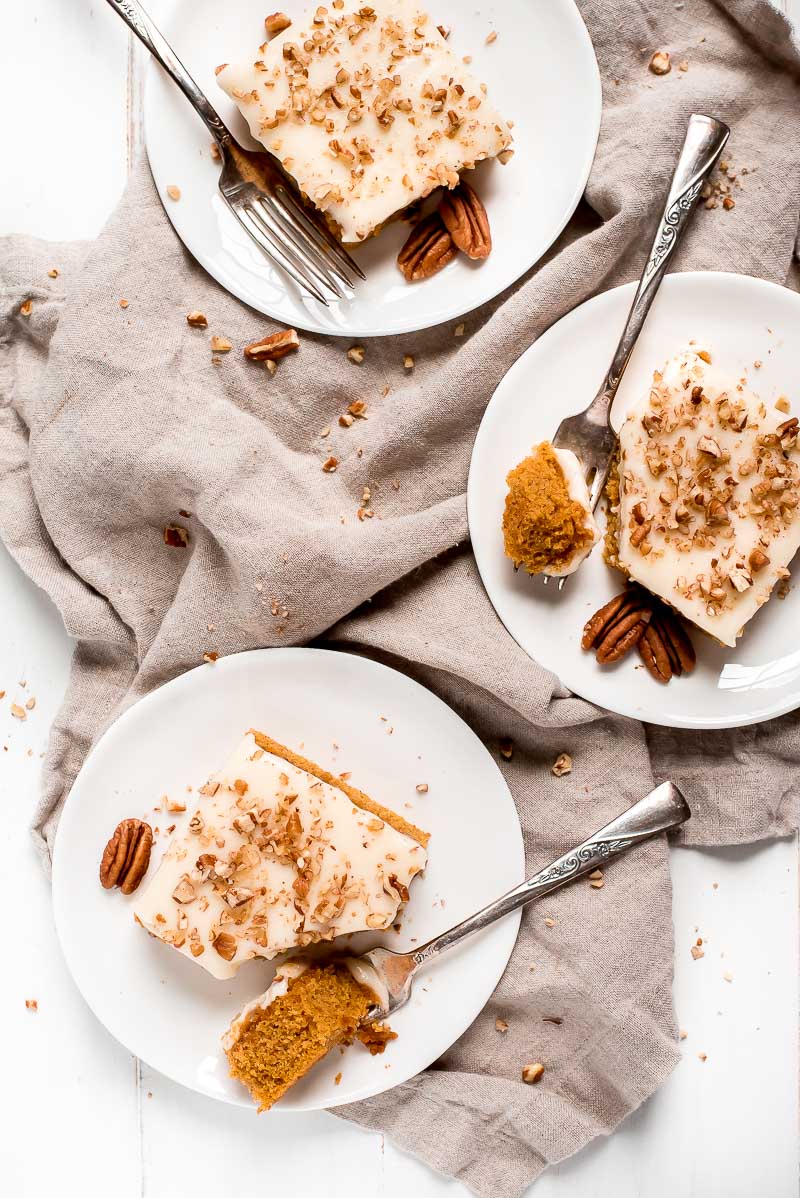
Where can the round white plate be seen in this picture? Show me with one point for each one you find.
(541, 72)
(740, 320)
(392, 734)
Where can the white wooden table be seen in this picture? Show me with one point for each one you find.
(78, 1115)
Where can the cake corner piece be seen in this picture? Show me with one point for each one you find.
(368, 109)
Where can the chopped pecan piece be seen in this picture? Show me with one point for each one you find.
(276, 22)
(428, 249)
(271, 348)
(466, 221)
(126, 856)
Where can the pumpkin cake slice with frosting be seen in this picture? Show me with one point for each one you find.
(548, 523)
(310, 1008)
(279, 854)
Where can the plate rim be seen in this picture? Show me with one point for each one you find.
(455, 311)
(512, 921)
(731, 278)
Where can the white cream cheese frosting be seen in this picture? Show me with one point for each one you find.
(575, 479)
(709, 491)
(367, 108)
(274, 858)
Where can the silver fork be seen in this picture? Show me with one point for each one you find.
(255, 187)
(589, 434)
(661, 810)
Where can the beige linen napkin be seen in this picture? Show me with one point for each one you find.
(114, 420)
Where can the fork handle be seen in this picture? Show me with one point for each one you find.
(704, 142)
(664, 808)
(142, 25)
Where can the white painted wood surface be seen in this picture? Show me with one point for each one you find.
(79, 1116)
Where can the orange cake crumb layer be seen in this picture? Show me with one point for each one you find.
(277, 1044)
(358, 797)
(375, 1036)
(543, 527)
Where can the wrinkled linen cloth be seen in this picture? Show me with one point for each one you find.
(114, 420)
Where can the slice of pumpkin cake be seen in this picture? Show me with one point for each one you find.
(279, 854)
(309, 1009)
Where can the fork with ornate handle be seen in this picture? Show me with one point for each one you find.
(255, 187)
(589, 434)
(661, 810)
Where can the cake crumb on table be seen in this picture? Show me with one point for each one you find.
(531, 1074)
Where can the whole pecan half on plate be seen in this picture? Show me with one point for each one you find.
(665, 647)
(618, 626)
(428, 249)
(466, 221)
(127, 855)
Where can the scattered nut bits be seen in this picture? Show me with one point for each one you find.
(422, 788)
(346, 420)
(358, 408)
(702, 1056)
(682, 1034)
(337, 1079)
(491, 37)
(174, 192)
(501, 1025)
(506, 747)
(660, 63)
(531, 1074)
(220, 345)
(408, 362)
(330, 464)
(562, 765)
(276, 22)
(19, 713)
(197, 320)
(356, 353)
(25, 308)
(31, 1004)
(271, 348)
(697, 952)
(53, 274)
(458, 331)
(210, 658)
(31, 703)
(123, 303)
(176, 536)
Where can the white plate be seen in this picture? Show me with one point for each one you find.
(739, 320)
(171, 1013)
(541, 72)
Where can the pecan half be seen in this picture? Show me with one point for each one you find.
(428, 249)
(127, 855)
(679, 648)
(614, 630)
(653, 653)
(466, 221)
(271, 348)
